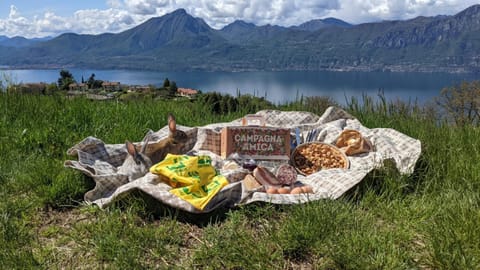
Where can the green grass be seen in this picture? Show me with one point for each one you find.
(428, 220)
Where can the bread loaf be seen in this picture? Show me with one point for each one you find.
(250, 183)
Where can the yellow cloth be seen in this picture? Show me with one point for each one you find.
(192, 178)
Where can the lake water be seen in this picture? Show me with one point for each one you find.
(278, 87)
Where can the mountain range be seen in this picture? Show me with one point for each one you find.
(180, 42)
(19, 41)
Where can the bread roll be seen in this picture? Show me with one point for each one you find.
(351, 142)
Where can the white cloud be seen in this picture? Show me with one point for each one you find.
(114, 3)
(51, 23)
(218, 13)
(123, 14)
(360, 11)
(146, 7)
(15, 23)
(87, 21)
(96, 21)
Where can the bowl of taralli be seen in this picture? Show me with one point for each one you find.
(312, 157)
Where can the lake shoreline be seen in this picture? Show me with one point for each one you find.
(275, 86)
(387, 69)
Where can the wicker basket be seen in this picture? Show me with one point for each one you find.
(312, 157)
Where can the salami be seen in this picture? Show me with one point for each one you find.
(286, 174)
(265, 177)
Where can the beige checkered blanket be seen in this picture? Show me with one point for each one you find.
(100, 161)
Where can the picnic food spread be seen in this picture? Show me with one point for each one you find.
(194, 179)
(186, 175)
(365, 149)
(262, 143)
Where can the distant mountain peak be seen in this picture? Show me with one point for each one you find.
(318, 24)
(473, 11)
(236, 28)
(242, 24)
(176, 29)
(176, 21)
(19, 41)
(331, 20)
(180, 11)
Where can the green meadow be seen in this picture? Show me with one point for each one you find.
(428, 220)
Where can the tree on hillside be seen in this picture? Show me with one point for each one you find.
(166, 83)
(50, 89)
(93, 83)
(211, 101)
(461, 103)
(66, 78)
(172, 89)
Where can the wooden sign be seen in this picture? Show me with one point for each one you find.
(257, 142)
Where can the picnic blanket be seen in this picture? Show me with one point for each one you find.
(100, 161)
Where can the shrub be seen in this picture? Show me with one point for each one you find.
(461, 103)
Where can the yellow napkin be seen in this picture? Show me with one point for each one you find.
(192, 178)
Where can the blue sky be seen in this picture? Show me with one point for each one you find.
(30, 8)
(38, 18)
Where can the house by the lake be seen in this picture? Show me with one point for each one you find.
(111, 86)
(78, 87)
(140, 88)
(186, 92)
(30, 88)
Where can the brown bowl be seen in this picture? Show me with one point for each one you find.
(312, 157)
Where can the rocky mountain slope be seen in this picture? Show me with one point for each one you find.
(178, 41)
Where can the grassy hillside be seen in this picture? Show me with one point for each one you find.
(389, 221)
